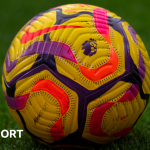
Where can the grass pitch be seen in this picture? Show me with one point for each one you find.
(15, 13)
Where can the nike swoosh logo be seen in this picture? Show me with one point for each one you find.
(31, 35)
(60, 19)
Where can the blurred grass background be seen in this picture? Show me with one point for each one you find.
(15, 13)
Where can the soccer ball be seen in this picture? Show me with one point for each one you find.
(76, 75)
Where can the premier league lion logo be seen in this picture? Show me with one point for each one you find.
(90, 47)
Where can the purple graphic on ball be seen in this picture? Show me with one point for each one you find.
(90, 47)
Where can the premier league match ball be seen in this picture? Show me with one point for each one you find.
(76, 74)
